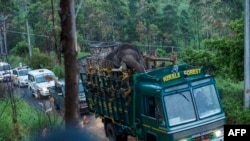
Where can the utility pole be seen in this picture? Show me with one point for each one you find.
(2, 20)
(77, 11)
(28, 31)
(58, 52)
(1, 37)
(246, 58)
(4, 36)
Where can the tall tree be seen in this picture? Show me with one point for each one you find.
(68, 42)
(185, 28)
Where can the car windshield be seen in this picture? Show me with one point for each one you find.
(4, 67)
(206, 101)
(180, 108)
(23, 72)
(42, 78)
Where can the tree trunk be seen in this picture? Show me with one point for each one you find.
(68, 42)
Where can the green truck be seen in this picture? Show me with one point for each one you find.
(171, 103)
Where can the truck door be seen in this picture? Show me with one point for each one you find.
(152, 119)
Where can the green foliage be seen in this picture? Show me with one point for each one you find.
(200, 58)
(230, 49)
(59, 71)
(21, 49)
(15, 60)
(232, 101)
(82, 54)
(30, 121)
(40, 60)
(161, 52)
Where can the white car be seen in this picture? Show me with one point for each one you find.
(5, 72)
(39, 81)
(20, 76)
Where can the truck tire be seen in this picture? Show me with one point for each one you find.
(111, 132)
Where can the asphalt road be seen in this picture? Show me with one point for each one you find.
(94, 127)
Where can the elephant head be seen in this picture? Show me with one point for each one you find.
(128, 54)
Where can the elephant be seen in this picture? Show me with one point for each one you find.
(128, 54)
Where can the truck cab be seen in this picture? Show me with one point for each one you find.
(183, 105)
(58, 93)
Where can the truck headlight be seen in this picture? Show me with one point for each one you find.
(218, 133)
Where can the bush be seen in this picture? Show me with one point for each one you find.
(199, 58)
(59, 71)
(40, 60)
(21, 49)
(233, 95)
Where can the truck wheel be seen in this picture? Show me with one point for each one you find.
(111, 132)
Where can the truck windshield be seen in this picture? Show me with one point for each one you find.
(206, 100)
(180, 108)
(181, 105)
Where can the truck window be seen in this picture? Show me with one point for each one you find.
(159, 112)
(206, 101)
(149, 105)
(180, 108)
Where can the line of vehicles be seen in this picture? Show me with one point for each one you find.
(41, 83)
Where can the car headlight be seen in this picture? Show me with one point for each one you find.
(43, 89)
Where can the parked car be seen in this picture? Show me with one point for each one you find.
(39, 81)
(20, 76)
(5, 72)
(58, 93)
